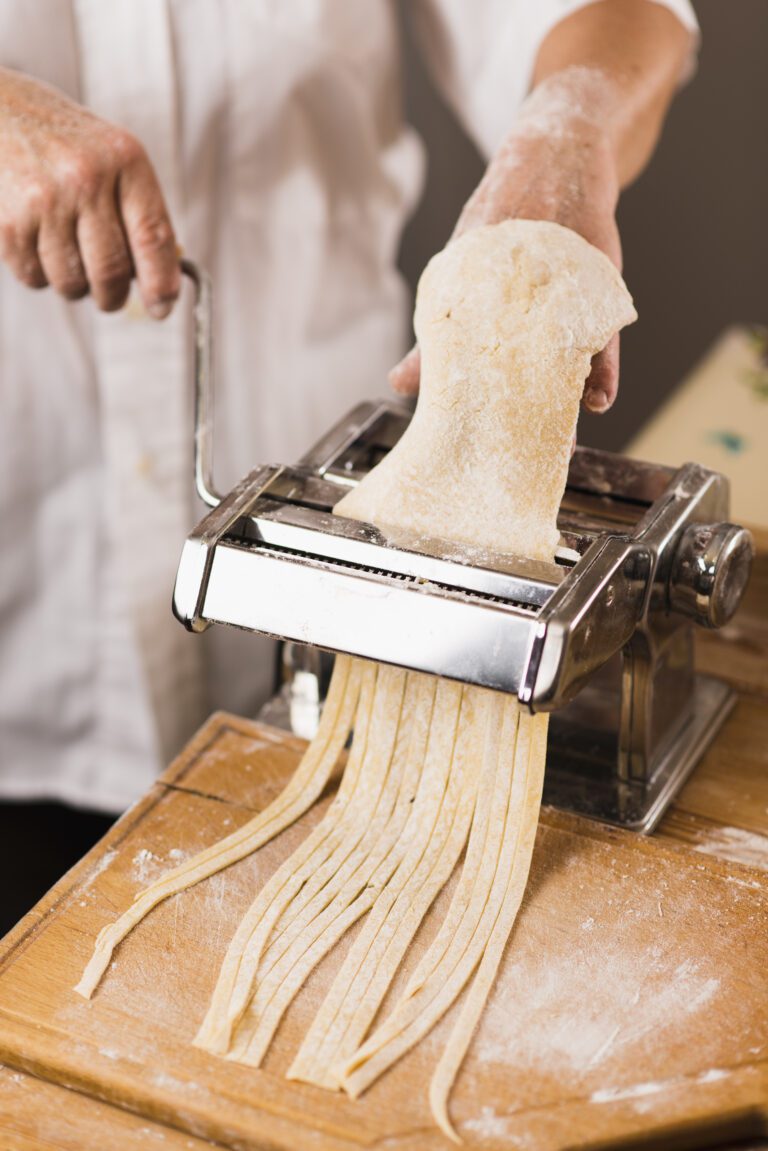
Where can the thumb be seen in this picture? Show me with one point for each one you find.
(603, 381)
(404, 377)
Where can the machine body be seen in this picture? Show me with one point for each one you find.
(602, 637)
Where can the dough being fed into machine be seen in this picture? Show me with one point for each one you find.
(507, 318)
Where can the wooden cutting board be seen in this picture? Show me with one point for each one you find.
(633, 997)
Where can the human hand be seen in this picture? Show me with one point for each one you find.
(557, 164)
(80, 205)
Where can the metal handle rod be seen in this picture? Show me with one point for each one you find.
(202, 316)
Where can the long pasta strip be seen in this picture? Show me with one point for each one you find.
(356, 867)
(477, 996)
(256, 1031)
(362, 982)
(416, 1013)
(490, 808)
(301, 791)
(359, 786)
(343, 896)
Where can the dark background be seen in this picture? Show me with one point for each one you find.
(694, 227)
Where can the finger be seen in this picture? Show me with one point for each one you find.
(471, 216)
(150, 236)
(18, 248)
(60, 257)
(104, 251)
(404, 377)
(603, 381)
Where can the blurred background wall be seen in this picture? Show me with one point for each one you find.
(694, 227)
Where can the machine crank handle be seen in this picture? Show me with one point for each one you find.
(202, 316)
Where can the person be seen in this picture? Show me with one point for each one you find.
(267, 141)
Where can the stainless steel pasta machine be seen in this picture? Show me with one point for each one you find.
(602, 637)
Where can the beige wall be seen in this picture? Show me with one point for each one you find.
(695, 227)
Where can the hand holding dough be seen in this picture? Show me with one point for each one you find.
(508, 318)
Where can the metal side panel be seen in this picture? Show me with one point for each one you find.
(472, 640)
(581, 771)
(190, 582)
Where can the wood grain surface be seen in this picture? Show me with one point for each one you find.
(631, 999)
(37, 1116)
(632, 1009)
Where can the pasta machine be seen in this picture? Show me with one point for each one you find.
(602, 637)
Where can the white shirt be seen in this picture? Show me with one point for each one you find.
(277, 134)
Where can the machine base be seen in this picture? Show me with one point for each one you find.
(582, 778)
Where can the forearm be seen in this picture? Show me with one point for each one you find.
(602, 82)
(616, 62)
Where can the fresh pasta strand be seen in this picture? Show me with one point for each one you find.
(318, 895)
(362, 982)
(349, 893)
(301, 791)
(423, 1003)
(482, 983)
(373, 755)
(232, 991)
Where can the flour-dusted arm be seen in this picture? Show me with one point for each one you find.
(602, 80)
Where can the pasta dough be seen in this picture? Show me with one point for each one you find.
(507, 318)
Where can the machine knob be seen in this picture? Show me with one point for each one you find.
(710, 572)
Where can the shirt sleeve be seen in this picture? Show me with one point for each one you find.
(481, 56)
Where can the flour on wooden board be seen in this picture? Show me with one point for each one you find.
(585, 1005)
(640, 1093)
(735, 844)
